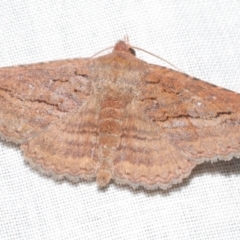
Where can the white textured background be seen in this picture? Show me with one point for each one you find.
(200, 37)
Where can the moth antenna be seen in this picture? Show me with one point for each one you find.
(101, 51)
(143, 50)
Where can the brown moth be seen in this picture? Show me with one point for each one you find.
(117, 117)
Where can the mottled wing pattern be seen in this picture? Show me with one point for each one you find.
(201, 120)
(34, 96)
(67, 148)
(145, 156)
(117, 117)
(176, 122)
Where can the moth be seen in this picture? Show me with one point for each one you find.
(116, 117)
